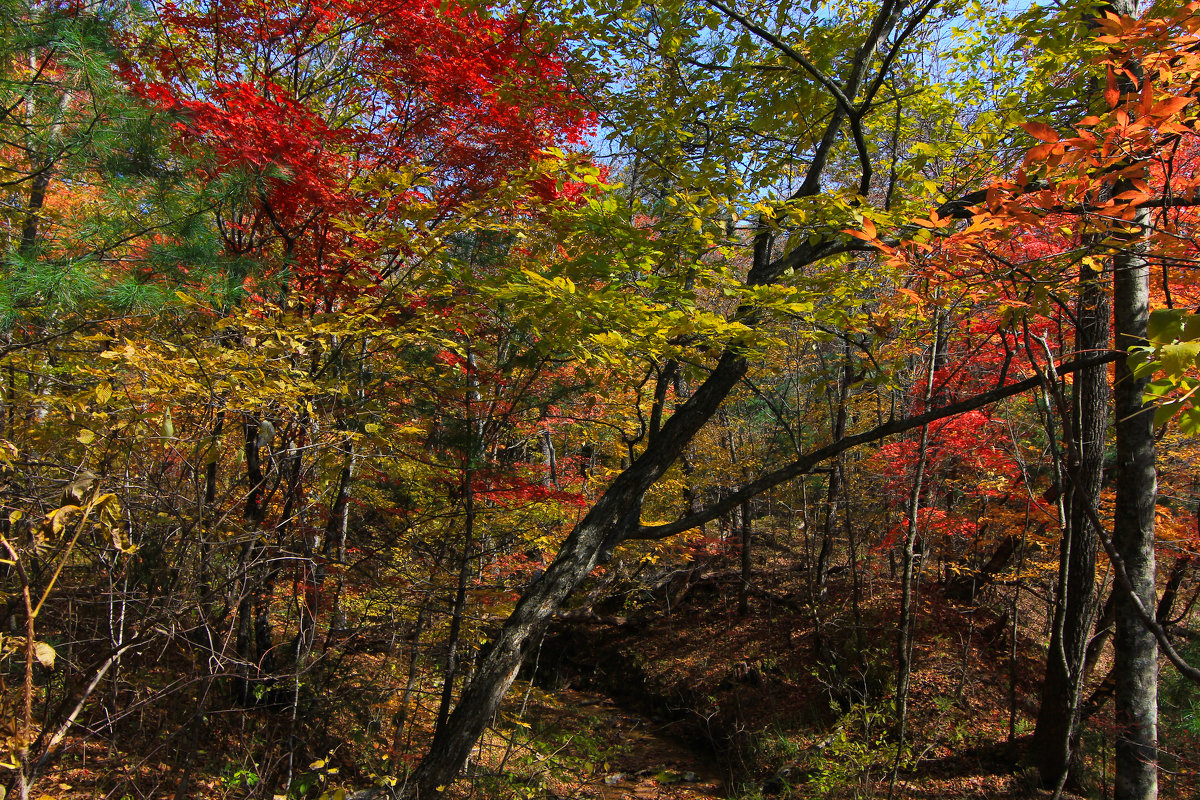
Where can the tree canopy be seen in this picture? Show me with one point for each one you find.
(349, 348)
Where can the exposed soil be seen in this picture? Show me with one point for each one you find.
(797, 706)
(638, 756)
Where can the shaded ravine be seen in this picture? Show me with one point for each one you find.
(634, 754)
(580, 664)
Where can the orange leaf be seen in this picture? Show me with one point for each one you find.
(1111, 95)
(1040, 152)
(1041, 131)
(1147, 98)
(1171, 105)
(867, 234)
(1134, 197)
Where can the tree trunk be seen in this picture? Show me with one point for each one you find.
(1136, 651)
(911, 566)
(747, 564)
(616, 514)
(1054, 740)
(594, 537)
(832, 498)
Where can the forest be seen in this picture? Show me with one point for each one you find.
(611, 399)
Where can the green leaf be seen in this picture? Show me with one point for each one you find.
(1189, 422)
(1165, 412)
(1165, 325)
(1176, 359)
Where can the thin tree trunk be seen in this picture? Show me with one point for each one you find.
(1053, 740)
(473, 452)
(747, 539)
(904, 633)
(335, 539)
(834, 495)
(41, 181)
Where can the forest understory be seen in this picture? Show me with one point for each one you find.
(661, 688)
(420, 399)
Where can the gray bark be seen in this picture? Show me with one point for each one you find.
(1135, 662)
(1136, 650)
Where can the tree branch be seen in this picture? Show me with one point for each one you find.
(805, 464)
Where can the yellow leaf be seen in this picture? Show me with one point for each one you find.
(103, 393)
(45, 654)
(86, 436)
(59, 518)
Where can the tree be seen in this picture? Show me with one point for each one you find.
(315, 159)
(851, 98)
(1116, 172)
(404, 346)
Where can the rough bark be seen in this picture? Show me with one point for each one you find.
(1053, 740)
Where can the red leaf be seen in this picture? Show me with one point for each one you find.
(1111, 95)
(1040, 130)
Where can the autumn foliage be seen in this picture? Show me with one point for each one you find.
(329, 326)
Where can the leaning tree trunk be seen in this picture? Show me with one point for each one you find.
(593, 538)
(616, 513)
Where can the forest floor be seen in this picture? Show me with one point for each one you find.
(779, 702)
(670, 693)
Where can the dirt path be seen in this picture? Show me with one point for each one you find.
(622, 755)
